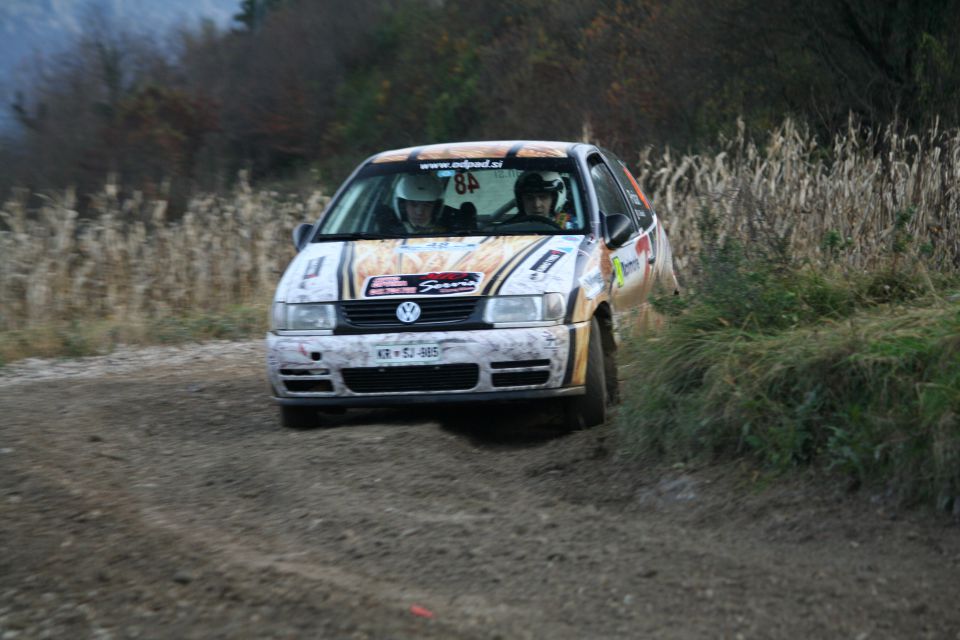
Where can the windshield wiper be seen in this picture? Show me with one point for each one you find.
(528, 232)
(357, 236)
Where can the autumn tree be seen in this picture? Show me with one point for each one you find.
(306, 88)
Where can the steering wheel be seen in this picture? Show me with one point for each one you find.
(521, 219)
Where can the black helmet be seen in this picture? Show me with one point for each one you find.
(540, 182)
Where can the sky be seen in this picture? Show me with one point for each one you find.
(43, 27)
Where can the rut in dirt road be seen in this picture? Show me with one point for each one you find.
(153, 494)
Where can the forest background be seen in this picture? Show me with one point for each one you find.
(296, 92)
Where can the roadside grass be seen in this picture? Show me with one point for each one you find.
(80, 338)
(790, 366)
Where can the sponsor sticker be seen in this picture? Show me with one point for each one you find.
(437, 246)
(436, 283)
(624, 268)
(539, 269)
(462, 164)
(549, 341)
(630, 267)
(311, 272)
(636, 187)
(592, 284)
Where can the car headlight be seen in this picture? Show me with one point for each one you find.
(550, 307)
(303, 317)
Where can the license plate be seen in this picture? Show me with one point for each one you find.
(409, 352)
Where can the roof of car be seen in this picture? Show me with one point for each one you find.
(489, 149)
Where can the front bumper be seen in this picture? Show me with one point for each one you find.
(488, 365)
(398, 400)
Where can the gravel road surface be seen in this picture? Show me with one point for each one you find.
(152, 494)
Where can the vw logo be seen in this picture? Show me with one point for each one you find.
(408, 312)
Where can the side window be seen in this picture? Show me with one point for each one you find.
(608, 193)
(643, 215)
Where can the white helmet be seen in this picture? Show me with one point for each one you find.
(418, 187)
(540, 182)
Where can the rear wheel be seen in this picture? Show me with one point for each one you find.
(590, 409)
(294, 417)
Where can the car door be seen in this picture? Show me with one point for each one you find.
(627, 290)
(647, 242)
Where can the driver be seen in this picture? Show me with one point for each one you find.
(542, 194)
(418, 201)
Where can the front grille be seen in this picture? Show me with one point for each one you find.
(383, 313)
(517, 364)
(308, 386)
(519, 378)
(304, 372)
(441, 377)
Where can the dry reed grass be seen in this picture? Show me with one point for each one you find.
(867, 196)
(130, 262)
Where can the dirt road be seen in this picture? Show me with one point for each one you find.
(153, 494)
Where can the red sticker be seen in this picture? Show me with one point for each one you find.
(636, 188)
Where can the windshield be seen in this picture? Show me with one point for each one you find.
(465, 197)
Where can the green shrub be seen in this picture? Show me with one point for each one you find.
(874, 396)
(786, 366)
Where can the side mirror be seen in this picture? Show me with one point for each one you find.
(617, 229)
(301, 235)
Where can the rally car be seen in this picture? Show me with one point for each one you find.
(467, 272)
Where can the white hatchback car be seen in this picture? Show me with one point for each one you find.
(467, 272)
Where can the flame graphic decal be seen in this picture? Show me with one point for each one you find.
(495, 257)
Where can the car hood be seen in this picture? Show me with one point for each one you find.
(452, 266)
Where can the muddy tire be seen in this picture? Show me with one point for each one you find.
(590, 409)
(294, 417)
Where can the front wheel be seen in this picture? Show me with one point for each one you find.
(294, 417)
(590, 409)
